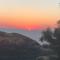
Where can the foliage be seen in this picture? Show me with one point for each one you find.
(54, 39)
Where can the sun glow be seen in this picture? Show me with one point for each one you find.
(28, 14)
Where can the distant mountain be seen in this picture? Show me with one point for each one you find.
(14, 46)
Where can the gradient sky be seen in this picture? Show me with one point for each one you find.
(29, 14)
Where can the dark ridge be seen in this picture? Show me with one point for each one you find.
(14, 46)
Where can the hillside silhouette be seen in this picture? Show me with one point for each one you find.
(14, 46)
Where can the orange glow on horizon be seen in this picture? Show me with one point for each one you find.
(27, 18)
(23, 23)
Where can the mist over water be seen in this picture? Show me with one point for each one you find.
(34, 34)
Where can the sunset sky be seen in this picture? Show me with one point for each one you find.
(29, 14)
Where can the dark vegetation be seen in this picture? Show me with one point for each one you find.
(53, 37)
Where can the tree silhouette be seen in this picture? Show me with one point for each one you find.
(53, 39)
(57, 36)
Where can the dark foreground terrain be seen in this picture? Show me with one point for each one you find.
(15, 46)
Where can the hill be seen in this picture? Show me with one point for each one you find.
(14, 46)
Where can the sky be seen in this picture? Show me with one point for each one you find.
(29, 14)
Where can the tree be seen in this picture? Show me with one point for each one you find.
(57, 36)
(53, 39)
(47, 35)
